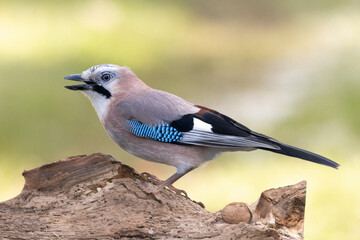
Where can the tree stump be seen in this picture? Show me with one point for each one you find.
(98, 197)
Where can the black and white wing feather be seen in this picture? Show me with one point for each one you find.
(212, 129)
(211, 139)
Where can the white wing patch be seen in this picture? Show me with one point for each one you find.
(201, 126)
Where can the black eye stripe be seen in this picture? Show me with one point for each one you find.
(101, 90)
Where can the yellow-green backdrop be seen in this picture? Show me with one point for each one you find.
(288, 69)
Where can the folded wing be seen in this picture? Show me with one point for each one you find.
(170, 119)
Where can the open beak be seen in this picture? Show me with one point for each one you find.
(77, 77)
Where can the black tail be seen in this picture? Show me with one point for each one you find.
(303, 154)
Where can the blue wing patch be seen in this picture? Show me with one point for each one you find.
(162, 132)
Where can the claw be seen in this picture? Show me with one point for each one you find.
(177, 191)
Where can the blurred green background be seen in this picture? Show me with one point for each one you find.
(288, 69)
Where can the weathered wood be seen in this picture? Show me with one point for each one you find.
(97, 197)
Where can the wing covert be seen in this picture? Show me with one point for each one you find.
(163, 132)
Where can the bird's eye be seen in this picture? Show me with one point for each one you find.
(105, 77)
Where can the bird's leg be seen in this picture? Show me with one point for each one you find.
(168, 182)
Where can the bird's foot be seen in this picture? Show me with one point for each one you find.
(177, 191)
(160, 185)
(150, 178)
(149, 187)
(153, 186)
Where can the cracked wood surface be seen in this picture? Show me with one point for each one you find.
(97, 197)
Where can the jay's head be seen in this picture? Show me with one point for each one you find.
(101, 81)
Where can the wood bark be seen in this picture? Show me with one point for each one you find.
(98, 197)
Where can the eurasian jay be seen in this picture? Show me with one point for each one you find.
(160, 127)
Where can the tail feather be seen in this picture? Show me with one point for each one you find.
(303, 154)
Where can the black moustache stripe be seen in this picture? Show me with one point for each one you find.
(101, 90)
